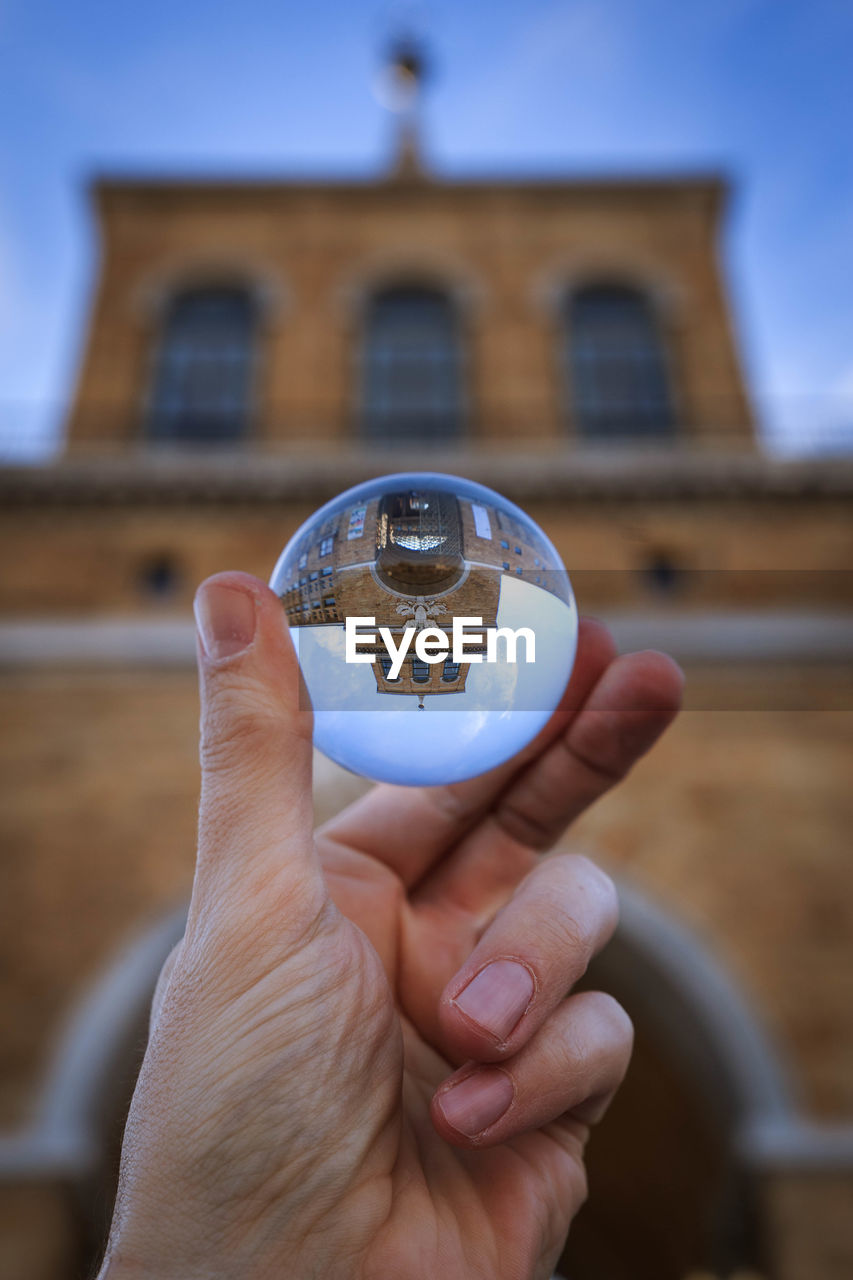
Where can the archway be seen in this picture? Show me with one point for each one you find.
(671, 1189)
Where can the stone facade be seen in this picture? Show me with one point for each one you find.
(735, 830)
(414, 559)
(508, 254)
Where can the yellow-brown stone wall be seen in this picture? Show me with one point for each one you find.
(738, 823)
(67, 560)
(509, 254)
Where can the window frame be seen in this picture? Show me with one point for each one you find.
(659, 351)
(158, 353)
(368, 417)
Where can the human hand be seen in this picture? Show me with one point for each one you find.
(336, 1085)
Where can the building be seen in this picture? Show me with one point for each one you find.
(254, 348)
(412, 559)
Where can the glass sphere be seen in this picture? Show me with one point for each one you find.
(434, 623)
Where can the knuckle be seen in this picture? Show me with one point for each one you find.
(603, 885)
(524, 822)
(239, 945)
(163, 983)
(579, 903)
(599, 740)
(561, 944)
(570, 938)
(236, 720)
(612, 1019)
(580, 1184)
(592, 871)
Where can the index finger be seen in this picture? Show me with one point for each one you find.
(411, 828)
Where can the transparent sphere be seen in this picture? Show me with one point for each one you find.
(434, 623)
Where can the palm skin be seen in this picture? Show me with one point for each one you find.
(293, 1113)
(499, 1212)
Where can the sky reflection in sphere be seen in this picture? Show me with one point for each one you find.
(415, 551)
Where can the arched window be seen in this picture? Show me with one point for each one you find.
(201, 386)
(420, 671)
(617, 366)
(412, 367)
(386, 663)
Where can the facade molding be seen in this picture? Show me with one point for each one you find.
(63, 1139)
(403, 265)
(683, 988)
(708, 635)
(164, 474)
(699, 1009)
(568, 274)
(270, 293)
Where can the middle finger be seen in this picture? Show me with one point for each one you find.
(528, 959)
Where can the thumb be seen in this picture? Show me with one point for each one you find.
(256, 812)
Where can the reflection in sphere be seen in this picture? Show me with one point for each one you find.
(432, 698)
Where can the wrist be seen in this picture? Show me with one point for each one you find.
(122, 1264)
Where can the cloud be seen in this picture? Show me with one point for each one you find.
(582, 37)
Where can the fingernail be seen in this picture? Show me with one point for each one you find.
(225, 617)
(477, 1102)
(497, 997)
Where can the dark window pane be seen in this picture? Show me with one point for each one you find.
(412, 374)
(159, 576)
(616, 363)
(420, 671)
(202, 379)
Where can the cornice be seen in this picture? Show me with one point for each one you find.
(163, 477)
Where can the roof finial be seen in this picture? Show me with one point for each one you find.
(401, 92)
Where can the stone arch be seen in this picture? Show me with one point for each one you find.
(659, 295)
(675, 1171)
(655, 966)
(263, 282)
(427, 268)
(400, 268)
(164, 288)
(74, 1137)
(679, 984)
(561, 279)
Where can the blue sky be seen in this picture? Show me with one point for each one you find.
(756, 88)
(502, 708)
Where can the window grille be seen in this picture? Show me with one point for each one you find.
(412, 367)
(420, 671)
(202, 379)
(616, 364)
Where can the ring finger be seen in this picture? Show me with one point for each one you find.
(571, 1068)
(538, 946)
